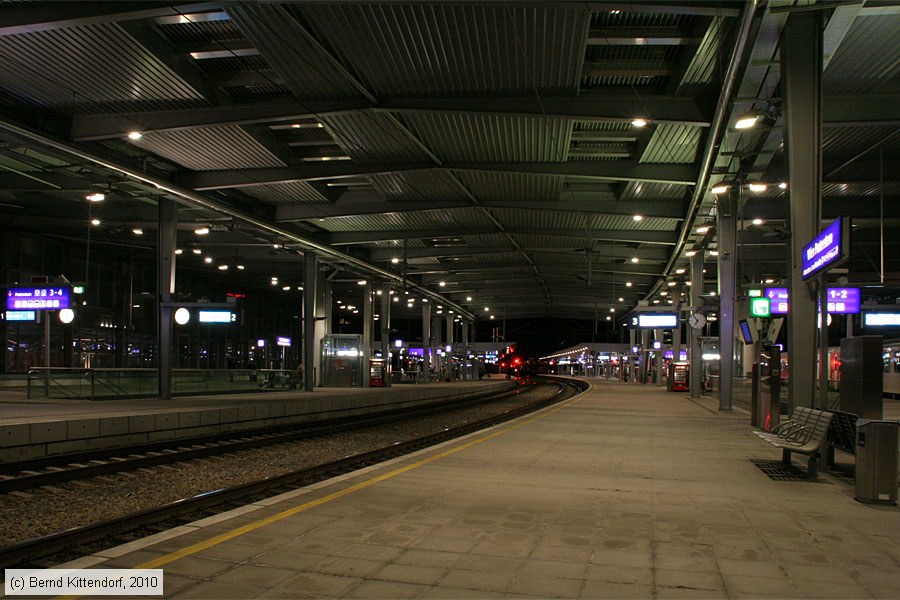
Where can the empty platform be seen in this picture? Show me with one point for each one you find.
(624, 491)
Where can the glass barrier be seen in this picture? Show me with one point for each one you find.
(119, 384)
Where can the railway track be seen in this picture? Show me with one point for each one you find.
(61, 547)
(24, 475)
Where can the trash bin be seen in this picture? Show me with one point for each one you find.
(876, 461)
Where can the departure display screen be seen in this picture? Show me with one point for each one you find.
(37, 298)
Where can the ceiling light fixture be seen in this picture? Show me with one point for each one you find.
(757, 187)
(96, 197)
(202, 230)
(135, 135)
(720, 188)
(746, 121)
(703, 229)
(639, 122)
(197, 251)
(757, 221)
(638, 218)
(95, 222)
(208, 260)
(137, 231)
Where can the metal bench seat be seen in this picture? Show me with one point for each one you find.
(805, 433)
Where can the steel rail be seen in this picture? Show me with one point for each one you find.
(129, 458)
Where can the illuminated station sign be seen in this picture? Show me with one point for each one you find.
(21, 315)
(840, 300)
(37, 298)
(829, 248)
(217, 316)
(654, 320)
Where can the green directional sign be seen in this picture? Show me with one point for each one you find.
(759, 307)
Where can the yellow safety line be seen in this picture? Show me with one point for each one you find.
(228, 535)
(224, 537)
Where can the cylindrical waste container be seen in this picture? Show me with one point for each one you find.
(876, 461)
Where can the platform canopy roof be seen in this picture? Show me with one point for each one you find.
(486, 153)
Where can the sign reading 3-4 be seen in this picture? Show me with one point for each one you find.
(37, 298)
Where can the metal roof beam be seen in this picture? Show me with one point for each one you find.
(660, 36)
(215, 180)
(98, 127)
(45, 16)
(685, 111)
(666, 209)
(607, 171)
(636, 237)
(603, 252)
(680, 174)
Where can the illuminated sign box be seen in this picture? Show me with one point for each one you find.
(37, 298)
(655, 321)
(829, 248)
(21, 315)
(283, 341)
(778, 300)
(760, 307)
(217, 316)
(881, 319)
(842, 301)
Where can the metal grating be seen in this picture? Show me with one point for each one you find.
(778, 471)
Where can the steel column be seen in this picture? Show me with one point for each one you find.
(727, 228)
(368, 321)
(385, 319)
(426, 338)
(310, 284)
(801, 77)
(168, 229)
(696, 288)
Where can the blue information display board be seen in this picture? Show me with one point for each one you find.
(654, 320)
(21, 315)
(841, 300)
(37, 298)
(827, 249)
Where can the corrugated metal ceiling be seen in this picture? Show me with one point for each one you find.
(90, 69)
(441, 49)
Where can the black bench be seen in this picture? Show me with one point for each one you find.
(806, 432)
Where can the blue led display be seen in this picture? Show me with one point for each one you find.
(825, 250)
(37, 298)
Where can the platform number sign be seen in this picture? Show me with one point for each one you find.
(37, 298)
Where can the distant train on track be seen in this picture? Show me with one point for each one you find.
(890, 368)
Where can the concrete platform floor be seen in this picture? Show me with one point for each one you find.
(624, 492)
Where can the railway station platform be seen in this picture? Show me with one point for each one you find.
(622, 492)
(44, 427)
